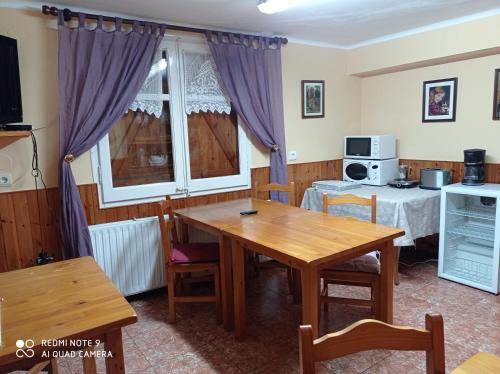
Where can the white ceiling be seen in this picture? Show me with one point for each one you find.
(345, 23)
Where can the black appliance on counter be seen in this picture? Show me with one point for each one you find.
(474, 167)
(10, 86)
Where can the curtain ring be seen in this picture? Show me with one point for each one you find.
(69, 158)
(276, 147)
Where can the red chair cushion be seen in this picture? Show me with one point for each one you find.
(195, 252)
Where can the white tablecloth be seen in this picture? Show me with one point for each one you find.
(415, 210)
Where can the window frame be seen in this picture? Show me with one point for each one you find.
(183, 185)
(214, 183)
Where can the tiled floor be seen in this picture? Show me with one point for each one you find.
(197, 345)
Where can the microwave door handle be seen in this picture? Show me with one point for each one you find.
(369, 166)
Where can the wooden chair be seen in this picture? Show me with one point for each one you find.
(50, 366)
(371, 334)
(266, 188)
(258, 191)
(186, 258)
(363, 271)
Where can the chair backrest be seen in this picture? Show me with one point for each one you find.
(371, 334)
(351, 199)
(167, 226)
(290, 189)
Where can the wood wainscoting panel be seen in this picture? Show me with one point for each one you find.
(23, 232)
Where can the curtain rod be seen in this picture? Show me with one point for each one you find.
(68, 14)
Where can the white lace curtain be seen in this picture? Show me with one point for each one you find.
(150, 98)
(202, 86)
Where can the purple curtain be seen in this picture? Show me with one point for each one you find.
(250, 69)
(100, 73)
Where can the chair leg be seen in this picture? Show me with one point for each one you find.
(186, 286)
(396, 265)
(256, 264)
(324, 292)
(375, 291)
(171, 295)
(297, 286)
(178, 287)
(253, 265)
(289, 277)
(53, 368)
(218, 304)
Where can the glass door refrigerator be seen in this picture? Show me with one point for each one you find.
(469, 240)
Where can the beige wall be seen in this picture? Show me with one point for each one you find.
(392, 103)
(313, 139)
(462, 39)
(322, 138)
(37, 48)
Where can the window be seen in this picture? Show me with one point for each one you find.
(185, 147)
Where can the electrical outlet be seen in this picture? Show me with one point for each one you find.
(5, 179)
(292, 155)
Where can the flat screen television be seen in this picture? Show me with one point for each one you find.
(11, 110)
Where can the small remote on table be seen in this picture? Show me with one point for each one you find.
(248, 212)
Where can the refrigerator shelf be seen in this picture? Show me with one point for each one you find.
(474, 231)
(472, 271)
(459, 245)
(475, 212)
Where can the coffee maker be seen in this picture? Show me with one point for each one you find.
(474, 167)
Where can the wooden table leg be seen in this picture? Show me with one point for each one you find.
(226, 275)
(297, 288)
(386, 282)
(184, 232)
(397, 252)
(89, 364)
(310, 298)
(239, 290)
(113, 343)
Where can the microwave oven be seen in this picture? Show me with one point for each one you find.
(372, 172)
(371, 147)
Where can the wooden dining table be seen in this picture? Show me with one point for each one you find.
(67, 306)
(304, 240)
(214, 218)
(481, 362)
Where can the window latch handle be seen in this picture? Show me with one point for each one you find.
(182, 190)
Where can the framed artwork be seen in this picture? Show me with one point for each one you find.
(313, 99)
(439, 102)
(496, 96)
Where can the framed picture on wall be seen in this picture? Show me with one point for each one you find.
(439, 102)
(496, 96)
(313, 99)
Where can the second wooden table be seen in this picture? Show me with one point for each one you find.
(60, 307)
(309, 242)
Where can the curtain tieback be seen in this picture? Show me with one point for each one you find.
(276, 147)
(69, 158)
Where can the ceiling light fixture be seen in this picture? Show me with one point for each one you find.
(275, 6)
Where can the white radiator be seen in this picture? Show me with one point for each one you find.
(130, 253)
